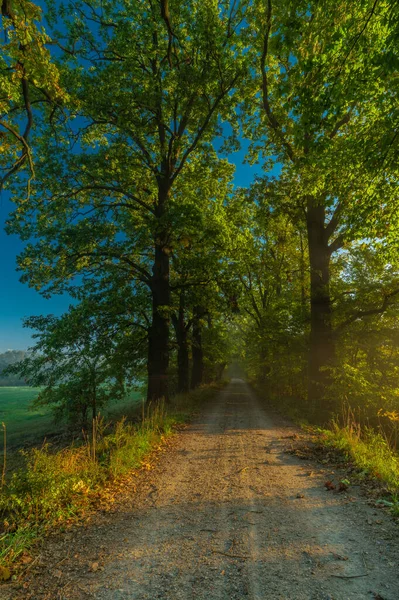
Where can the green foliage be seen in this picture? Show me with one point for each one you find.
(99, 199)
(323, 95)
(133, 211)
(75, 363)
(321, 100)
(368, 451)
(29, 78)
(365, 374)
(127, 177)
(272, 292)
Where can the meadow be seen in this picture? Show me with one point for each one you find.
(26, 426)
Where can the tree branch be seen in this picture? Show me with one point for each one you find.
(361, 314)
(334, 221)
(145, 276)
(111, 188)
(337, 243)
(203, 127)
(166, 17)
(26, 154)
(345, 119)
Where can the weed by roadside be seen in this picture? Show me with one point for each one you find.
(369, 454)
(364, 455)
(54, 488)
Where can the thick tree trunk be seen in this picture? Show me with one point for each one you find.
(158, 342)
(321, 350)
(181, 329)
(158, 337)
(197, 371)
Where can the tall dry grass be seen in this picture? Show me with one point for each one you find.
(54, 487)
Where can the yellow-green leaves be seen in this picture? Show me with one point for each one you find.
(28, 79)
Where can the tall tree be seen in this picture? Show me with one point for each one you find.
(140, 113)
(267, 267)
(317, 84)
(198, 260)
(78, 362)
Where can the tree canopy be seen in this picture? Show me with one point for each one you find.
(132, 208)
(29, 80)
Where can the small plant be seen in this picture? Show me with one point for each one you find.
(4, 470)
(395, 505)
(369, 451)
(393, 419)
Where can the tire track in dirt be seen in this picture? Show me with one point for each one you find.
(226, 514)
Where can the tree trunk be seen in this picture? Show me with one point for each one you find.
(94, 403)
(181, 329)
(302, 271)
(183, 383)
(197, 372)
(220, 370)
(321, 349)
(158, 336)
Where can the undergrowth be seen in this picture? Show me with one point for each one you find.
(372, 451)
(54, 488)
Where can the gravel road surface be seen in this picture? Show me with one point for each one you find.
(226, 514)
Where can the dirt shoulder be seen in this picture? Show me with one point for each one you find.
(226, 514)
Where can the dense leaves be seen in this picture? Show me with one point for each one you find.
(78, 362)
(133, 211)
(29, 80)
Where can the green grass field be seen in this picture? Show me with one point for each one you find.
(27, 426)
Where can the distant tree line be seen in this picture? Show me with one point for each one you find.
(11, 357)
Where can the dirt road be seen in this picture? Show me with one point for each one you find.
(227, 514)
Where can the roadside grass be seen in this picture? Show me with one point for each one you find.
(56, 487)
(371, 454)
(23, 424)
(27, 426)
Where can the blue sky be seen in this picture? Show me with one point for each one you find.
(17, 300)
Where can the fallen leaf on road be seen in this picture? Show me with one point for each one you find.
(5, 574)
(329, 485)
(339, 557)
(26, 559)
(57, 573)
(147, 466)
